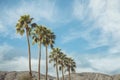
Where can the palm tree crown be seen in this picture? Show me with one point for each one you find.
(38, 34)
(70, 64)
(55, 54)
(23, 23)
(49, 38)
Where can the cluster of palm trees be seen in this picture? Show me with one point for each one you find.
(41, 35)
(62, 62)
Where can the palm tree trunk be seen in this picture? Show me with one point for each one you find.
(46, 63)
(57, 70)
(39, 62)
(29, 54)
(62, 74)
(69, 75)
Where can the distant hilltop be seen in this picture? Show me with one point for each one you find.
(21, 75)
(18, 75)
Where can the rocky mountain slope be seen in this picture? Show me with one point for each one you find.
(4, 75)
(93, 76)
(13, 75)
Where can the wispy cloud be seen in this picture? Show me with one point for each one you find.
(14, 63)
(106, 16)
(97, 63)
(103, 17)
(72, 36)
(4, 49)
(104, 64)
(80, 9)
(37, 9)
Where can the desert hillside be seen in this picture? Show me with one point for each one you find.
(13, 75)
(4, 75)
(93, 76)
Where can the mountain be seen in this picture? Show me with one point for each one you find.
(14, 75)
(92, 76)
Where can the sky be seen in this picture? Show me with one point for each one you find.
(86, 30)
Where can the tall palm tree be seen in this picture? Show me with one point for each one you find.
(54, 57)
(38, 35)
(49, 39)
(61, 62)
(22, 26)
(71, 65)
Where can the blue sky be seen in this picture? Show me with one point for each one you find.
(87, 30)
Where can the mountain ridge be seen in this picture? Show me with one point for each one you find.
(14, 75)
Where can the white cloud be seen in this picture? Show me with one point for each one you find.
(3, 29)
(114, 49)
(80, 10)
(81, 69)
(72, 36)
(109, 20)
(97, 7)
(20, 63)
(40, 10)
(4, 49)
(100, 63)
(107, 17)
(37, 9)
(15, 64)
(98, 15)
(107, 64)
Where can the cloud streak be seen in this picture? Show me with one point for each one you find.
(104, 63)
(37, 9)
(19, 63)
(85, 62)
(102, 19)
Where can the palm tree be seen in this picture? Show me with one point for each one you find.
(54, 57)
(22, 26)
(38, 35)
(71, 65)
(61, 62)
(48, 39)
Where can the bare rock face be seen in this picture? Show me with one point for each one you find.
(116, 77)
(92, 76)
(10, 76)
(2, 75)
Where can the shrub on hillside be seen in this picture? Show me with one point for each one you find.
(24, 77)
